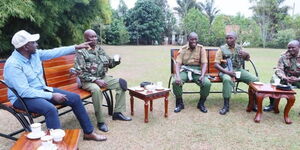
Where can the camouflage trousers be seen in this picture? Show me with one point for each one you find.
(97, 96)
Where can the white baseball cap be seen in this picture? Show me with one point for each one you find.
(22, 37)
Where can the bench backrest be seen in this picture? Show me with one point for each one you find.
(57, 71)
(3, 88)
(211, 54)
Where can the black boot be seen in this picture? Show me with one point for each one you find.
(225, 108)
(179, 105)
(271, 106)
(201, 106)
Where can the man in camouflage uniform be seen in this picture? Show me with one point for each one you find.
(92, 65)
(288, 69)
(229, 59)
(194, 57)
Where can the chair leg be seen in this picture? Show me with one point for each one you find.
(169, 83)
(111, 107)
(22, 120)
(109, 101)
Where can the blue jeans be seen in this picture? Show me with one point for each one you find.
(49, 111)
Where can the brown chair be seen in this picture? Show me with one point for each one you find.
(212, 72)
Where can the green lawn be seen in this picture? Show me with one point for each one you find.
(189, 129)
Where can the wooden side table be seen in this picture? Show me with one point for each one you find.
(70, 141)
(148, 97)
(259, 91)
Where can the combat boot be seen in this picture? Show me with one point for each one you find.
(201, 106)
(225, 108)
(271, 106)
(179, 105)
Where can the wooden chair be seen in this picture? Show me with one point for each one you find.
(56, 74)
(212, 72)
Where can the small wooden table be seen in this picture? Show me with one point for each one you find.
(148, 96)
(259, 91)
(70, 141)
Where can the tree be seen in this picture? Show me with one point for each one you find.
(60, 22)
(145, 22)
(185, 5)
(269, 14)
(195, 21)
(209, 10)
(116, 33)
(122, 9)
(169, 18)
(217, 36)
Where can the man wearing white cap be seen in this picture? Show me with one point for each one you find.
(23, 71)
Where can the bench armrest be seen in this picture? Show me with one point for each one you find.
(19, 98)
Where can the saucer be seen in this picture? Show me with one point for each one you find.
(139, 89)
(275, 84)
(52, 147)
(258, 83)
(160, 89)
(32, 135)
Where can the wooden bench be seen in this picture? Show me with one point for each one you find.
(212, 72)
(56, 74)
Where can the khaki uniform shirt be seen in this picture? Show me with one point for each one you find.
(92, 64)
(288, 65)
(187, 56)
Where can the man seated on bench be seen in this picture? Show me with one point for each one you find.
(92, 64)
(288, 69)
(191, 65)
(230, 58)
(23, 72)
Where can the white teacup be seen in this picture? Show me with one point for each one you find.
(47, 141)
(150, 87)
(57, 134)
(276, 81)
(36, 128)
(116, 58)
(159, 84)
(238, 74)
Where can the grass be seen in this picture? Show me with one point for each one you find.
(189, 129)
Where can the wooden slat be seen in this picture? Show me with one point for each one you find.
(3, 88)
(211, 54)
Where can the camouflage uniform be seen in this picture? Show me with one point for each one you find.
(237, 63)
(92, 65)
(193, 60)
(287, 66)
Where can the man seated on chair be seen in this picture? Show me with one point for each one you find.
(23, 72)
(288, 69)
(92, 64)
(193, 57)
(230, 58)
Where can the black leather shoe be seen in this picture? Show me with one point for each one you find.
(224, 110)
(202, 108)
(178, 108)
(120, 116)
(269, 108)
(102, 127)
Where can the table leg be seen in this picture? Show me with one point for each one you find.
(259, 99)
(146, 111)
(251, 100)
(288, 106)
(131, 105)
(276, 103)
(166, 106)
(151, 105)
